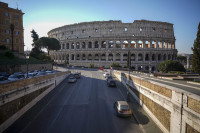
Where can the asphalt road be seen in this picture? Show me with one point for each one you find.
(83, 107)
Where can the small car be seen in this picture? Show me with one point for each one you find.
(122, 109)
(77, 75)
(106, 74)
(30, 75)
(72, 79)
(111, 83)
(14, 77)
(108, 78)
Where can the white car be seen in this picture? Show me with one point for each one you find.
(106, 75)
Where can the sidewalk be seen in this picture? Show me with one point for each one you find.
(145, 122)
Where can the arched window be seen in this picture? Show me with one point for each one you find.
(132, 57)
(147, 57)
(110, 57)
(153, 57)
(133, 44)
(96, 57)
(103, 44)
(90, 45)
(77, 57)
(110, 44)
(118, 44)
(103, 57)
(83, 45)
(72, 46)
(96, 45)
(140, 58)
(89, 57)
(83, 57)
(125, 56)
(117, 58)
(77, 45)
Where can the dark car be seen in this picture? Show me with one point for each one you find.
(42, 73)
(122, 109)
(111, 83)
(4, 74)
(108, 78)
(77, 75)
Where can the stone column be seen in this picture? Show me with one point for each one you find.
(121, 58)
(80, 43)
(150, 43)
(107, 56)
(99, 42)
(136, 43)
(114, 56)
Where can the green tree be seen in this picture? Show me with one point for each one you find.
(196, 53)
(48, 43)
(35, 37)
(171, 65)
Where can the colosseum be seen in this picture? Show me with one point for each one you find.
(104, 42)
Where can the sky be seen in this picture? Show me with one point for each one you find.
(44, 15)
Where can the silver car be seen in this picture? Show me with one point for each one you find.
(122, 109)
(72, 79)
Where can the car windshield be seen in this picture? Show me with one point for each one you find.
(13, 76)
(124, 107)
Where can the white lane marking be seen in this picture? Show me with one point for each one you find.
(171, 82)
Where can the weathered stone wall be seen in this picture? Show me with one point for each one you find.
(173, 109)
(23, 68)
(18, 97)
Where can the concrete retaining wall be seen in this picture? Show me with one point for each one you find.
(18, 97)
(23, 68)
(174, 110)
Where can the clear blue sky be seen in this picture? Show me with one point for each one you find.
(43, 15)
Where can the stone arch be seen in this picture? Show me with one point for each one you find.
(103, 44)
(133, 44)
(72, 45)
(117, 58)
(159, 57)
(96, 45)
(83, 57)
(110, 57)
(146, 68)
(125, 44)
(77, 45)
(67, 46)
(96, 57)
(146, 44)
(90, 45)
(140, 44)
(153, 58)
(125, 57)
(132, 57)
(83, 45)
(103, 57)
(153, 68)
(140, 57)
(110, 44)
(147, 57)
(72, 57)
(164, 57)
(89, 56)
(118, 44)
(77, 57)
(169, 56)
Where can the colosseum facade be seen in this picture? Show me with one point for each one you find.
(104, 42)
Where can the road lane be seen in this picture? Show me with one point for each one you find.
(83, 107)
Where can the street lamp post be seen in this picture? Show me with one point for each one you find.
(129, 59)
(27, 57)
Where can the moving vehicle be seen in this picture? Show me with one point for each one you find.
(106, 74)
(72, 79)
(30, 75)
(77, 75)
(111, 83)
(122, 109)
(108, 78)
(14, 77)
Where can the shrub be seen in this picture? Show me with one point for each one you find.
(2, 47)
(9, 55)
(91, 66)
